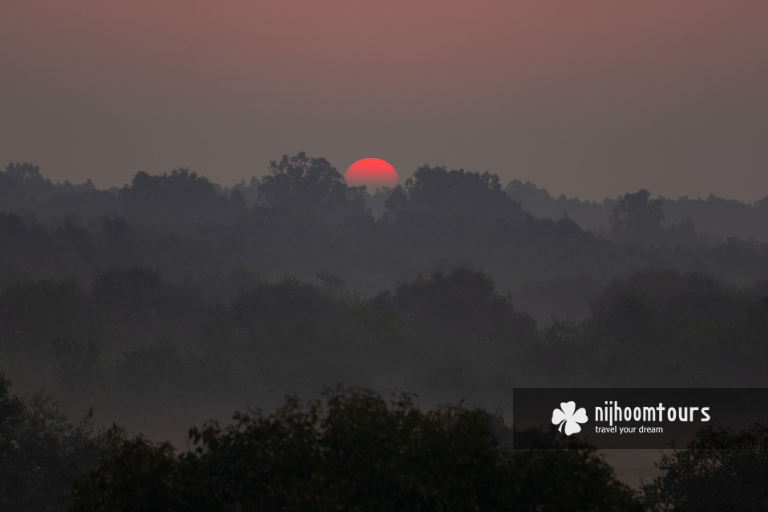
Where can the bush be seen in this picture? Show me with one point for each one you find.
(358, 452)
(721, 470)
(40, 451)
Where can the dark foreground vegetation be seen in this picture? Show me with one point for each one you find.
(356, 451)
(173, 298)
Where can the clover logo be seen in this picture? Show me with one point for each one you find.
(568, 415)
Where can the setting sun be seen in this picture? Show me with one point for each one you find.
(371, 172)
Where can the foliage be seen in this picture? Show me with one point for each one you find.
(720, 470)
(635, 217)
(21, 307)
(174, 294)
(357, 452)
(134, 340)
(177, 200)
(40, 451)
(25, 171)
(36, 190)
(440, 192)
(311, 186)
(8, 189)
(715, 218)
(464, 302)
(309, 220)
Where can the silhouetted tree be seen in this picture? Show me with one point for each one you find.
(25, 171)
(636, 218)
(719, 471)
(34, 313)
(40, 451)
(311, 186)
(116, 228)
(397, 201)
(177, 200)
(440, 192)
(463, 302)
(29, 180)
(284, 315)
(8, 192)
(356, 453)
(655, 302)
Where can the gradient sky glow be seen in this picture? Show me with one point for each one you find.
(591, 98)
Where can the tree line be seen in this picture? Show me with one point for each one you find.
(131, 340)
(302, 218)
(172, 297)
(714, 218)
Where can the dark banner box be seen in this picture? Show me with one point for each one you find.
(642, 418)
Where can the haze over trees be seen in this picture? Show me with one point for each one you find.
(173, 298)
(715, 218)
(454, 271)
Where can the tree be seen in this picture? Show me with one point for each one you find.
(40, 451)
(179, 199)
(311, 186)
(660, 303)
(358, 452)
(34, 313)
(287, 305)
(397, 200)
(25, 171)
(9, 193)
(439, 192)
(137, 287)
(29, 181)
(636, 218)
(463, 302)
(720, 470)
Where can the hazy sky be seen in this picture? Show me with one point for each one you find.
(586, 98)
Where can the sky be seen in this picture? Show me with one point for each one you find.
(593, 98)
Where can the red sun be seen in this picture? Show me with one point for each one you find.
(371, 172)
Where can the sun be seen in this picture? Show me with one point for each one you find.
(371, 172)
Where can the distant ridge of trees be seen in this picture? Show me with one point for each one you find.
(172, 294)
(714, 216)
(303, 218)
(132, 339)
(24, 190)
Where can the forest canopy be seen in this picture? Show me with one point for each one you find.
(173, 299)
